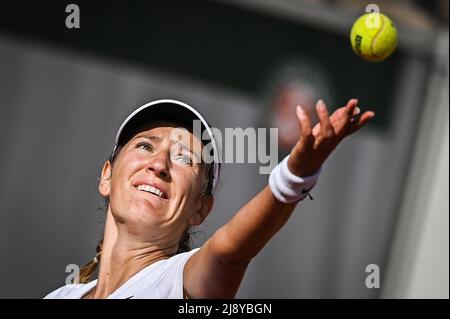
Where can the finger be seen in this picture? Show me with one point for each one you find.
(356, 124)
(351, 106)
(335, 119)
(327, 130)
(337, 115)
(305, 125)
(348, 111)
(354, 120)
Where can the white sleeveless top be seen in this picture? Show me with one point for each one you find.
(161, 280)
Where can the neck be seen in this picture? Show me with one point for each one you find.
(122, 257)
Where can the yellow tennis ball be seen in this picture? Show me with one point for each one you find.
(373, 36)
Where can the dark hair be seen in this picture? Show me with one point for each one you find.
(184, 243)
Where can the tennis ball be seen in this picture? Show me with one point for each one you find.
(373, 36)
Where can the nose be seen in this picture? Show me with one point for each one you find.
(160, 165)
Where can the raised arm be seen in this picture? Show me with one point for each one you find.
(217, 269)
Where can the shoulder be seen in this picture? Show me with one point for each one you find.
(69, 291)
(163, 281)
(181, 258)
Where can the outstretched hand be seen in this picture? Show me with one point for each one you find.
(317, 143)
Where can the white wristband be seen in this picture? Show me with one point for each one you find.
(289, 188)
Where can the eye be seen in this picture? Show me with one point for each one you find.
(145, 146)
(184, 159)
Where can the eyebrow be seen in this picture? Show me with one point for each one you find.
(153, 138)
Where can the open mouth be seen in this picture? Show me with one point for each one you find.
(151, 190)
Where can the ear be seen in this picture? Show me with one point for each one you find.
(203, 209)
(105, 180)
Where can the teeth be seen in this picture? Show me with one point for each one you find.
(150, 189)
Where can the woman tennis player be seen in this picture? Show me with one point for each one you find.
(157, 187)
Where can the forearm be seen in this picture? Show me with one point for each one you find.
(251, 228)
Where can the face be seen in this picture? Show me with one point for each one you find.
(155, 183)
